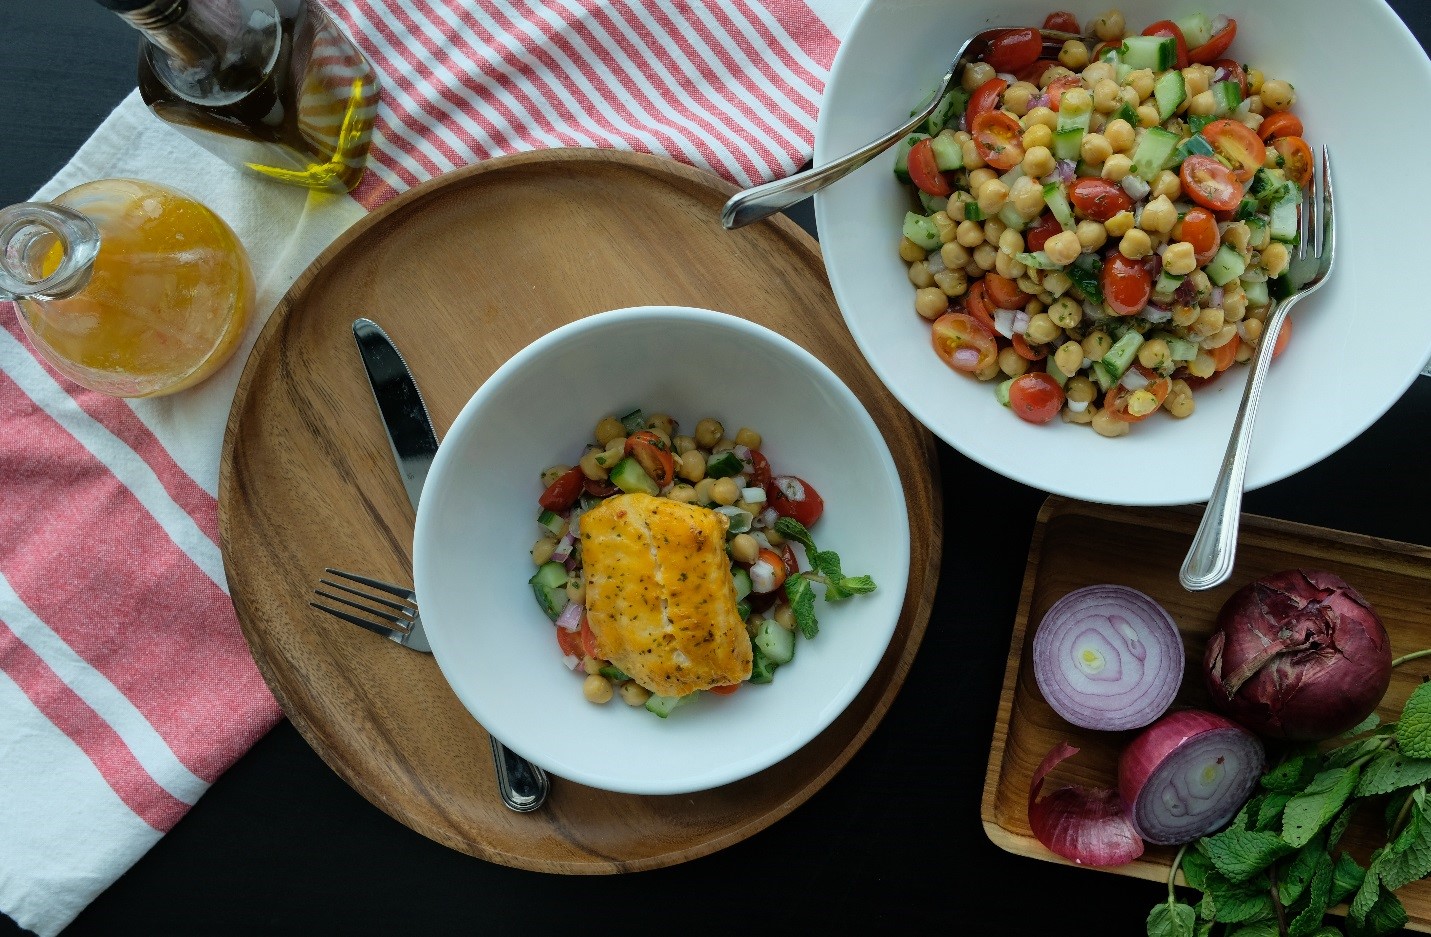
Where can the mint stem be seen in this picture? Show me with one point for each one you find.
(1409, 657)
(1173, 873)
(1277, 901)
(1399, 823)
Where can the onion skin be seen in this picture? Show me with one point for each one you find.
(1139, 765)
(1298, 655)
(1087, 827)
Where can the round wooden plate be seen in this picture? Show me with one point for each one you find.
(463, 272)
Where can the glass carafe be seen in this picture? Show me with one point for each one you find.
(127, 287)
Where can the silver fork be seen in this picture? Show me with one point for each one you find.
(523, 785)
(762, 201)
(1209, 560)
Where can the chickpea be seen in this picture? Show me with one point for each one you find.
(1180, 259)
(692, 465)
(1234, 307)
(909, 252)
(994, 229)
(1195, 81)
(1221, 337)
(945, 224)
(1066, 314)
(542, 550)
(1011, 242)
(1096, 72)
(955, 208)
(591, 467)
(1136, 244)
(1027, 196)
(1166, 184)
(1120, 224)
(1253, 329)
(745, 436)
(1063, 248)
(1238, 235)
(1091, 234)
(1148, 116)
(1255, 80)
(1012, 363)
(919, 274)
(985, 256)
(608, 427)
(1106, 424)
(663, 424)
(683, 444)
(725, 491)
(1041, 116)
(930, 302)
(954, 255)
(1074, 55)
(989, 372)
(703, 491)
(1117, 167)
(1179, 402)
(1202, 105)
(784, 616)
(1038, 162)
(1042, 330)
(1276, 258)
(978, 177)
(1096, 345)
(950, 283)
(1277, 95)
(1080, 390)
(1006, 266)
(976, 74)
(1202, 366)
(1208, 321)
(1119, 134)
(1056, 282)
(1078, 417)
(972, 159)
(1050, 75)
(725, 445)
(1095, 148)
(1185, 316)
(552, 472)
(971, 234)
(682, 493)
(1076, 100)
(1028, 283)
(744, 548)
(1261, 237)
(1017, 97)
(1069, 357)
(1141, 81)
(634, 694)
(708, 432)
(1159, 216)
(576, 590)
(1155, 355)
(1109, 26)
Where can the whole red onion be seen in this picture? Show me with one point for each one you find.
(1298, 654)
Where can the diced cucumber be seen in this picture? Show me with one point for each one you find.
(1226, 95)
(948, 154)
(1180, 349)
(1195, 145)
(922, 231)
(742, 609)
(1170, 91)
(1198, 121)
(762, 668)
(1226, 265)
(1128, 113)
(1013, 175)
(1068, 144)
(549, 585)
(972, 212)
(727, 464)
(1256, 291)
(901, 155)
(633, 422)
(1159, 53)
(613, 672)
(1167, 283)
(1084, 273)
(933, 203)
(1197, 29)
(741, 578)
(740, 519)
(552, 522)
(1055, 372)
(1153, 152)
(1001, 392)
(663, 706)
(1038, 260)
(1121, 71)
(948, 108)
(1117, 359)
(1247, 208)
(1011, 218)
(775, 642)
(630, 477)
(1073, 118)
(1282, 222)
(1057, 201)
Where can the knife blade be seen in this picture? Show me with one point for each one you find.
(413, 441)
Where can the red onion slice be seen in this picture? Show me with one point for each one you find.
(1108, 657)
(570, 617)
(1089, 827)
(1187, 774)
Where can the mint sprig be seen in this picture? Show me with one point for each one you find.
(825, 569)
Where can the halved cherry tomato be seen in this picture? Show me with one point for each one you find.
(1210, 184)
(1098, 199)
(1035, 397)
(1063, 21)
(1239, 145)
(1282, 338)
(1055, 89)
(777, 570)
(1234, 72)
(1033, 73)
(653, 455)
(760, 470)
(1027, 351)
(1281, 124)
(1116, 400)
(1199, 229)
(998, 138)
(588, 638)
(924, 171)
(562, 493)
(599, 487)
(787, 553)
(569, 642)
(976, 304)
(1224, 355)
(1038, 234)
(1127, 284)
(1013, 49)
(793, 497)
(1296, 158)
(963, 343)
(1169, 28)
(1214, 48)
(984, 100)
(725, 690)
(1005, 293)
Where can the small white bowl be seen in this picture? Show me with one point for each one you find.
(1355, 346)
(477, 521)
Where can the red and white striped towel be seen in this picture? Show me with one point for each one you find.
(125, 685)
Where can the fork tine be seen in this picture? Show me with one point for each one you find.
(395, 606)
(401, 623)
(1328, 212)
(1304, 221)
(375, 583)
(372, 626)
(1319, 219)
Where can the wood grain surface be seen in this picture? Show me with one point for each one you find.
(462, 273)
(1077, 544)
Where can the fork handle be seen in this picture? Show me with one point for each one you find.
(523, 785)
(1214, 547)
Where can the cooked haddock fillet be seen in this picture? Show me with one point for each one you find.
(659, 595)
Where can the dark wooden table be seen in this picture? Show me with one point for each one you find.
(280, 845)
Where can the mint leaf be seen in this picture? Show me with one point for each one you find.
(1270, 809)
(1355, 751)
(802, 603)
(1314, 808)
(1413, 731)
(1408, 857)
(1366, 725)
(1339, 826)
(1392, 771)
(1288, 776)
(1309, 918)
(856, 585)
(1195, 868)
(1244, 908)
(1171, 920)
(1385, 916)
(1254, 930)
(1347, 877)
(1366, 895)
(1241, 854)
(791, 529)
(1296, 875)
(827, 564)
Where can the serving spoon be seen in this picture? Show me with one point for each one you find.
(762, 201)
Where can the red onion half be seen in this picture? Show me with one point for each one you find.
(1187, 774)
(1085, 826)
(1108, 657)
(1298, 655)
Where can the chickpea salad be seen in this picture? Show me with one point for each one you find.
(1096, 235)
(643, 455)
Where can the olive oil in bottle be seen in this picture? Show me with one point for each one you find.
(274, 86)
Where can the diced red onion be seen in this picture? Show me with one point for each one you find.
(935, 261)
(1156, 314)
(563, 547)
(1220, 74)
(1004, 322)
(1067, 170)
(1133, 379)
(571, 660)
(1108, 657)
(1154, 264)
(1089, 827)
(571, 563)
(1021, 321)
(1040, 101)
(762, 577)
(1187, 774)
(570, 617)
(1007, 77)
(1135, 187)
(1216, 298)
(766, 518)
(1076, 406)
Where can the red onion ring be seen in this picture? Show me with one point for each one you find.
(1187, 774)
(1108, 657)
(1085, 826)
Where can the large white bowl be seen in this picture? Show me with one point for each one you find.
(477, 520)
(1356, 346)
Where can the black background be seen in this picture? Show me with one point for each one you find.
(280, 845)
